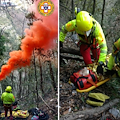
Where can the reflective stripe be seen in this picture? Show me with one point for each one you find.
(103, 51)
(103, 45)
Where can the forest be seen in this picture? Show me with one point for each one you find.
(33, 75)
(30, 52)
(73, 104)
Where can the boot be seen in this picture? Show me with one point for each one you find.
(11, 117)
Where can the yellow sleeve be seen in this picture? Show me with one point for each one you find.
(100, 38)
(68, 27)
(111, 63)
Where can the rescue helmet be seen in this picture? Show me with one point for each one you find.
(8, 89)
(84, 21)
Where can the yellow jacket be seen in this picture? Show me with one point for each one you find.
(7, 98)
(96, 36)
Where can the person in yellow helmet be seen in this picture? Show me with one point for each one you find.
(91, 37)
(113, 65)
(8, 98)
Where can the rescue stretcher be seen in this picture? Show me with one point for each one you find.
(93, 87)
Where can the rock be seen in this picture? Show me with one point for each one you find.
(74, 92)
(67, 111)
(115, 112)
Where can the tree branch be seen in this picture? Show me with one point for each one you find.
(84, 4)
(89, 113)
(65, 7)
(46, 103)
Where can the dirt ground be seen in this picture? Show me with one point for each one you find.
(49, 105)
(72, 101)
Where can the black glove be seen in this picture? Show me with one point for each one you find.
(61, 44)
(100, 68)
(110, 72)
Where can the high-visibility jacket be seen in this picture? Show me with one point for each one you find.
(7, 98)
(96, 36)
(114, 61)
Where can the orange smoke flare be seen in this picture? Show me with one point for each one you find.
(40, 35)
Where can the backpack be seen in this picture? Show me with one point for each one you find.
(34, 111)
(84, 81)
(43, 115)
(35, 117)
(38, 114)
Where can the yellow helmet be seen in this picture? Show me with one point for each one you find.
(84, 21)
(8, 89)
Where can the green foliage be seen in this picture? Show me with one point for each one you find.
(113, 87)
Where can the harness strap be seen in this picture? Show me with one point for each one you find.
(92, 82)
(93, 77)
(81, 85)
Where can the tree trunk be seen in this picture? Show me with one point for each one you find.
(20, 84)
(89, 113)
(70, 51)
(52, 76)
(36, 82)
(93, 7)
(72, 9)
(29, 79)
(41, 81)
(25, 79)
(103, 13)
(12, 79)
(84, 4)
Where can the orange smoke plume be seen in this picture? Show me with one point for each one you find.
(40, 35)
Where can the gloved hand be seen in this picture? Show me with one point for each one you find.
(110, 72)
(100, 68)
(61, 44)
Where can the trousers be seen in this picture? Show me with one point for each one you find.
(85, 52)
(6, 108)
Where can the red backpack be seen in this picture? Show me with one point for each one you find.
(84, 82)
